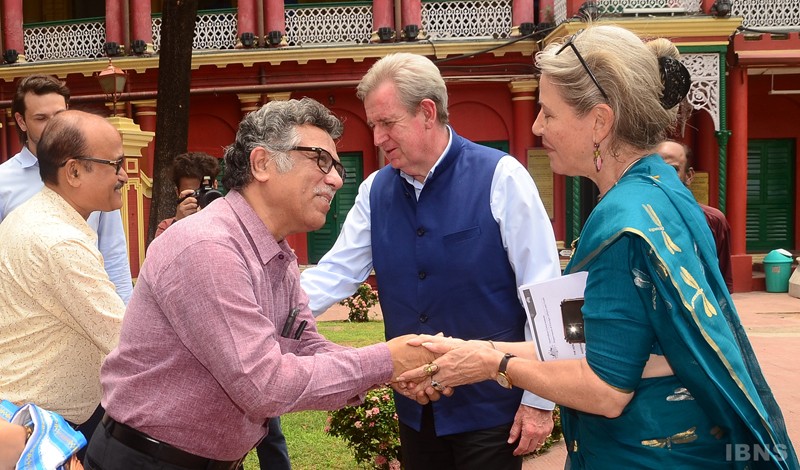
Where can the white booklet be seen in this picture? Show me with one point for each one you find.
(553, 309)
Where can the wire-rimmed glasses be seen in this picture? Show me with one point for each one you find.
(117, 164)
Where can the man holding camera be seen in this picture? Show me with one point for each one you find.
(195, 177)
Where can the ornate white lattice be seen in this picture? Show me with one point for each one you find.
(705, 90)
(560, 11)
(466, 18)
(619, 6)
(768, 13)
(329, 25)
(65, 41)
(211, 31)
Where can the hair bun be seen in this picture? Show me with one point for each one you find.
(676, 79)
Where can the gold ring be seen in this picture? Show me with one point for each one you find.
(430, 368)
(437, 386)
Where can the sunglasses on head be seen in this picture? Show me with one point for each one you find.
(571, 44)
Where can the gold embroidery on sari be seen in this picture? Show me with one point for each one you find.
(684, 437)
(671, 246)
(708, 307)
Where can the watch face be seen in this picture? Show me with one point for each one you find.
(503, 380)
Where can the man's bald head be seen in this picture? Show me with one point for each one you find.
(678, 156)
(67, 136)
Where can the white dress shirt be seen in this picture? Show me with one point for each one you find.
(20, 180)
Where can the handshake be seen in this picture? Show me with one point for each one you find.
(427, 367)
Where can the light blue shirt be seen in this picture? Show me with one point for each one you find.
(20, 180)
(525, 229)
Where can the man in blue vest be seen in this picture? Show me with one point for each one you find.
(451, 228)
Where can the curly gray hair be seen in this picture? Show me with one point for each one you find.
(273, 127)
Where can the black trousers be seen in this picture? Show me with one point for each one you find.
(87, 429)
(107, 453)
(486, 449)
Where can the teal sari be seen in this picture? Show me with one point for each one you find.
(654, 287)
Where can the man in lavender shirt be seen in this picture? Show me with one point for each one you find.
(209, 350)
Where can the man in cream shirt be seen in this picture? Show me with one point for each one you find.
(61, 314)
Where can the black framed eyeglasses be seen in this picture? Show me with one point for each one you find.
(571, 43)
(325, 160)
(117, 164)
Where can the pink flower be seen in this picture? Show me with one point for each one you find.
(357, 424)
(380, 460)
(394, 464)
(376, 410)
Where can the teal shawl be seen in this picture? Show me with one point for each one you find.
(704, 342)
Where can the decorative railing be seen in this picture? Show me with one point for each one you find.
(328, 23)
(635, 7)
(65, 40)
(214, 29)
(768, 15)
(560, 11)
(351, 23)
(449, 19)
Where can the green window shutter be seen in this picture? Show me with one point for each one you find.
(320, 241)
(770, 194)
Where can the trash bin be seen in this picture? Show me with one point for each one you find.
(777, 270)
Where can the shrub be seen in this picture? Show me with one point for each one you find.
(370, 430)
(359, 303)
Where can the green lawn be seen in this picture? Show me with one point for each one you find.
(309, 447)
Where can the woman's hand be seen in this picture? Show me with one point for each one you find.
(462, 362)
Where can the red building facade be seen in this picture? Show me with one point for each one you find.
(256, 51)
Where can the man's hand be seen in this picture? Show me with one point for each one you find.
(531, 427)
(187, 205)
(406, 357)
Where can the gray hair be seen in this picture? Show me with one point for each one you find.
(273, 127)
(629, 73)
(414, 76)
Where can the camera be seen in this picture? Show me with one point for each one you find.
(205, 193)
(573, 320)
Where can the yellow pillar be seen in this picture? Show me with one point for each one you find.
(139, 186)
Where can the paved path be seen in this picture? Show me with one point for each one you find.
(772, 321)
